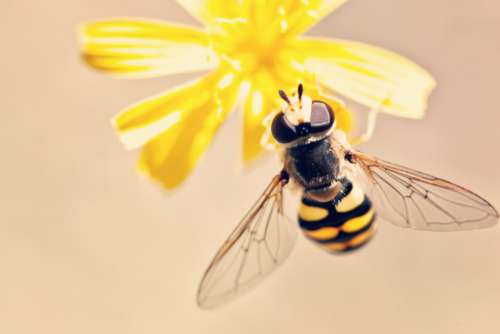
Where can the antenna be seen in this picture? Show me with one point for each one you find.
(300, 90)
(284, 97)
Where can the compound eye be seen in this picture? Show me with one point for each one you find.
(283, 131)
(322, 117)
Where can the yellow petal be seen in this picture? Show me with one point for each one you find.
(146, 119)
(144, 48)
(370, 75)
(261, 102)
(253, 125)
(202, 107)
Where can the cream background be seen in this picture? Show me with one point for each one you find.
(89, 247)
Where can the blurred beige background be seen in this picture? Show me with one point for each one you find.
(87, 246)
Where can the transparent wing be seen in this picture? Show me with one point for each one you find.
(412, 199)
(261, 241)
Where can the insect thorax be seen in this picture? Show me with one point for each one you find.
(314, 165)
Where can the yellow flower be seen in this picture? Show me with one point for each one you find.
(251, 48)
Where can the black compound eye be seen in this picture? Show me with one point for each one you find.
(322, 117)
(283, 131)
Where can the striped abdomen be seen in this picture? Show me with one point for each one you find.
(342, 224)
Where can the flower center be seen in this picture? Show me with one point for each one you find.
(245, 48)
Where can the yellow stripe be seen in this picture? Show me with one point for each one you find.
(335, 246)
(352, 200)
(310, 213)
(324, 233)
(362, 238)
(358, 223)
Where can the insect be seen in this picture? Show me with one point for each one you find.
(344, 191)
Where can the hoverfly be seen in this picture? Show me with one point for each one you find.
(335, 212)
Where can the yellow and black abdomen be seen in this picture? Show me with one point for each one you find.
(342, 224)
